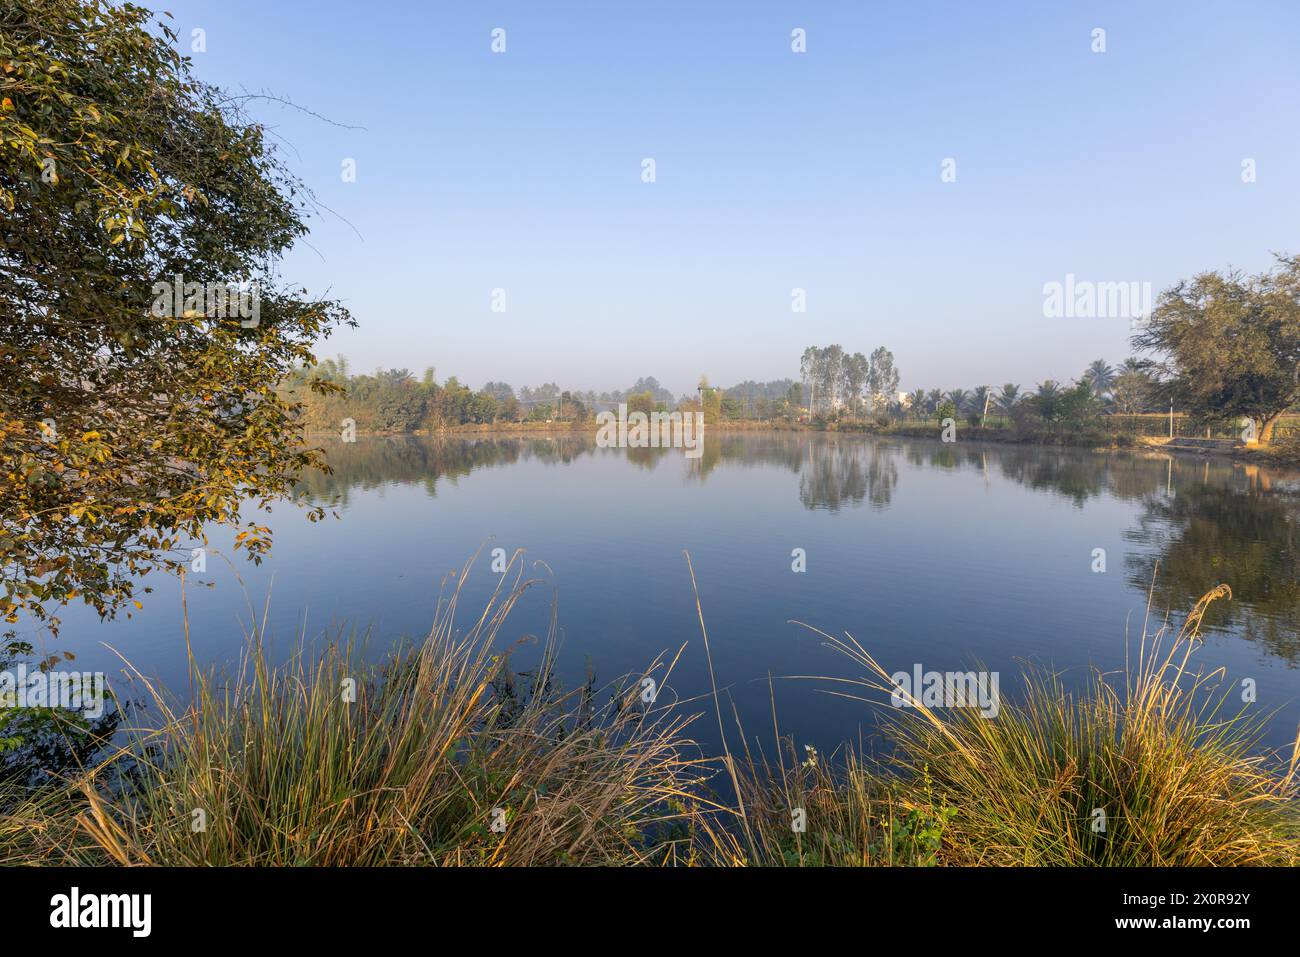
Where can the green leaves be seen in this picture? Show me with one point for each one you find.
(1232, 343)
(123, 434)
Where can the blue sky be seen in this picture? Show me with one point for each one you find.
(774, 170)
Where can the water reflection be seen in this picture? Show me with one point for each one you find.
(1205, 534)
(1202, 521)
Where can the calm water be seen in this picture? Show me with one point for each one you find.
(942, 555)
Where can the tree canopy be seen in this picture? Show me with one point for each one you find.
(1231, 344)
(138, 208)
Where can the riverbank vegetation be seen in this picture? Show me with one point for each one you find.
(1183, 391)
(1105, 408)
(1222, 353)
(440, 754)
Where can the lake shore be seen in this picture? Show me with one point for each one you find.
(439, 755)
(1282, 454)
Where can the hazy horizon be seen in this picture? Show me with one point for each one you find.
(774, 170)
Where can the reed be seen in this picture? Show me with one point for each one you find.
(1150, 767)
(441, 755)
(435, 757)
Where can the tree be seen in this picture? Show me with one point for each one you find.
(831, 375)
(1046, 402)
(651, 384)
(856, 375)
(1008, 397)
(794, 395)
(1131, 391)
(1230, 344)
(1079, 405)
(710, 401)
(959, 398)
(809, 366)
(142, 329)
(981, 398)
(1099, 376)
(500, 391)
(884, 375)
(641, 402)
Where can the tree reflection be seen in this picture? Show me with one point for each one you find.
(372, 462)
(1206, 534)
(838, 473)
(1204, 521)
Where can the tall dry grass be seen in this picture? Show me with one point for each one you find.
(327, 760)
(437, 757)
(1152, 767)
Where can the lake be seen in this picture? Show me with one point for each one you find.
(930, 554)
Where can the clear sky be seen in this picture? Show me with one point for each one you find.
(774, 170)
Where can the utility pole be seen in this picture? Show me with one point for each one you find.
(1171, 419)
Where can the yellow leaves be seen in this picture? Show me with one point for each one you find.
(6, 104)
(137, 604)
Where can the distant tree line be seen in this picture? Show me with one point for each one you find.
(395, 400)
(1101, 389)
(1224, 347)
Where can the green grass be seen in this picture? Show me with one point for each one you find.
(440, 742)
(1149, 767)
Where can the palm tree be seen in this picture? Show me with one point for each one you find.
(959, 398)
(932, 399)
(918, 400)
(1008, 397)
(980, 400)
(1100, 376)
(1047, 400)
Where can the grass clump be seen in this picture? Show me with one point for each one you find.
(438, 757)
(1151, 767)
(442, 756)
